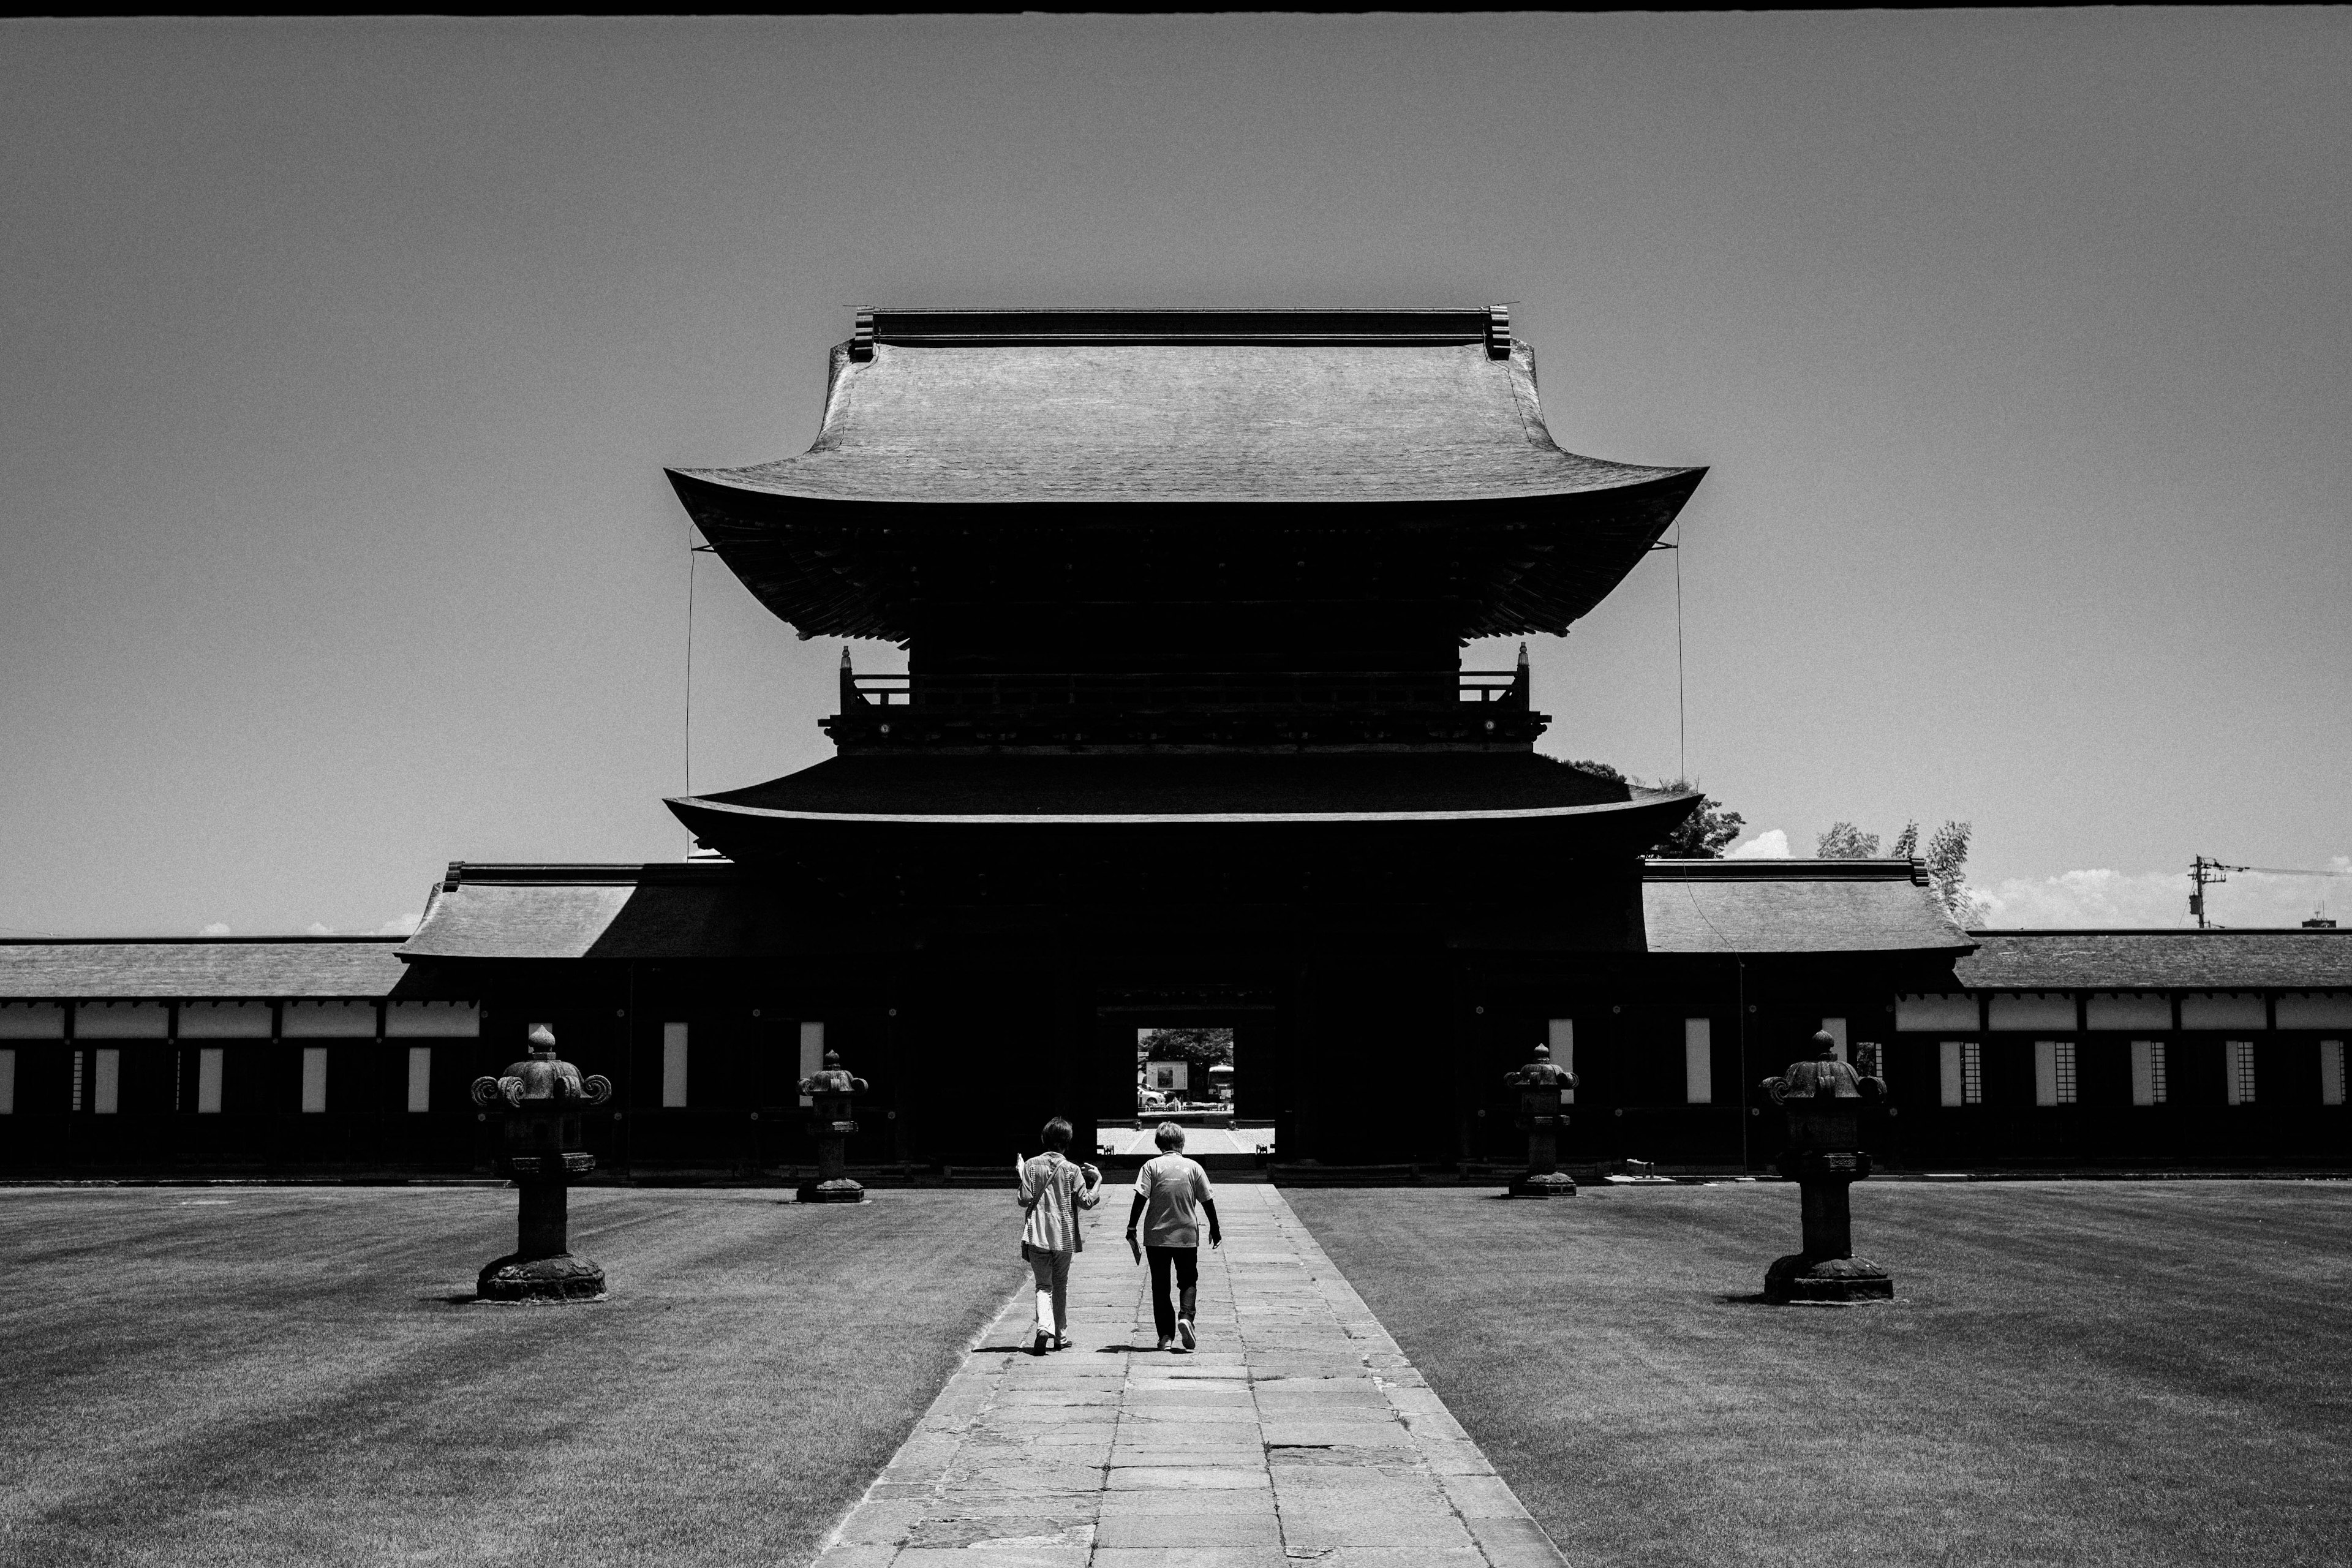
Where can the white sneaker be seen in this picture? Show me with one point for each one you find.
(1166, 1345)
(1184, 1332)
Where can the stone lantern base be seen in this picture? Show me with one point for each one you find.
(562, 1278)
(1794, 1278)
(839, 1190)
(1549, 1184)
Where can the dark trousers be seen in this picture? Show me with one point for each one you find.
(1186, 1262)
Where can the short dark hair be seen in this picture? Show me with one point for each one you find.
(1058, 1132)
(1169, 1137)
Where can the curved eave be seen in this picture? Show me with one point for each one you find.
(684, 804)
(776, 482)
(818, 562)
(751, 833)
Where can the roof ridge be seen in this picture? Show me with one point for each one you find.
(2161, 930)
(1004, 326)
(1790, 870)
(303, 937)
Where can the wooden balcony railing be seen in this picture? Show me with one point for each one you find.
(1248, 691)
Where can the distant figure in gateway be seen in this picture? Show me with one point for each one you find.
(1053, 1191)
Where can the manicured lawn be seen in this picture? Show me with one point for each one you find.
(276, 1376)
(2076, 1374)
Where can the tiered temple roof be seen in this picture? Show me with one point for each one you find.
(1222, 538)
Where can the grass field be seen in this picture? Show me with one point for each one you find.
(2078, 1373)
(278, 1376)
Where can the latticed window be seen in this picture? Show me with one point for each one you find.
(2054, 1072)
(1870, 1059)
(2148, 1072)
(1963, 1072)
(2241, 1072)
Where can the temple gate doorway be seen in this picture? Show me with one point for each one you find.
(1208, 1071)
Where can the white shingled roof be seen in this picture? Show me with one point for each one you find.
(1253, 422)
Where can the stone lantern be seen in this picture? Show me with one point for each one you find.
(1823, 1098)
(1539, 1084)
(542, 1099)
(832, 1119)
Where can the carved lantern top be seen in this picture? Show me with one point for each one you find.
(543, 1079)
(1541, 1073)
(833, 1080)
(1823, 1076)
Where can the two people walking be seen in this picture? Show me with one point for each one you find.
(1172, 1197)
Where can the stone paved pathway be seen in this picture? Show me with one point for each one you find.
(1298, 1432)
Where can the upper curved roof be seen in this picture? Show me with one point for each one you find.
(1181, 406)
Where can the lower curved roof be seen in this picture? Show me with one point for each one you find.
(723, 909)
(1353, 786)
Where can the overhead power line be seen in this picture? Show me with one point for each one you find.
(2203, 871)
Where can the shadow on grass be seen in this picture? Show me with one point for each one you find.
(1582, 1193)
(2061, 1390)
(266, 1393)
(1756, 1299)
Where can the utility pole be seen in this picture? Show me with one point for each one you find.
(2201, 872)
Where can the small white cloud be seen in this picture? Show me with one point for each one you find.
(400, 925)
(2088, 897)
(217, 928)
(317, 930)
(1772, 844)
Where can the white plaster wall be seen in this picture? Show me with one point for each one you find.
(2222, 1010)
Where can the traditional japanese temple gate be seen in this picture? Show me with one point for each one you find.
(1182, 736)
(1182, 733)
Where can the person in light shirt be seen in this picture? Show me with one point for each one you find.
(1053, 1191)
(1172, 1196)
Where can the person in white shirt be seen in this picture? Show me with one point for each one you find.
(1053, 1190)
(1172, 1194)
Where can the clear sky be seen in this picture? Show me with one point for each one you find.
(340, 360)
